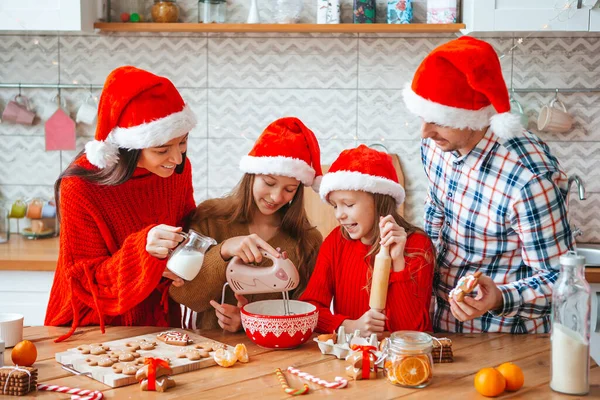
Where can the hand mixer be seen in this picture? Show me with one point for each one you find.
(282, 276)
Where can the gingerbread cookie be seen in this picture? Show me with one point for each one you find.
(208, 346)
(174, 338)
(465, 285)
(124, 355)
(100, 361)
(193, 354)
(94, 349)
(127, 368)
(162, 384)
(142, 373)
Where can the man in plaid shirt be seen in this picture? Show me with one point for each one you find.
(497, 197)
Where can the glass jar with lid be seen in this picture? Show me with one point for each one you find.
(127, 11)
(165, 11)
(408, 360)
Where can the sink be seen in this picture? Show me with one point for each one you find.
(591, 252)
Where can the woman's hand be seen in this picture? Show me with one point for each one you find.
(161, 239)
(394, 236)
(247, 248)
(228, 315)
(371, 322)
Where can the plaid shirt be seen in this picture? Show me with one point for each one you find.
(500, 210)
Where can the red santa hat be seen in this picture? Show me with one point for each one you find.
(288, 148)
(364, 169)
(460, 85)
(137, 110)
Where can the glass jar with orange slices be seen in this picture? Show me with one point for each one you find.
(408, 361)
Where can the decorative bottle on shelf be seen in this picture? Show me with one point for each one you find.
(399, 11)
(364, 11)
(253, 14)
(570, 339)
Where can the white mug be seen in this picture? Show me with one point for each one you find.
(47, 109)
(87, 112)
(11, 328)
(553, 119)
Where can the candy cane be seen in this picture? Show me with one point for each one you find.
(338, 384)
(76, 393)
(285, 386)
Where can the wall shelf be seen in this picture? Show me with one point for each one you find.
(282, 28)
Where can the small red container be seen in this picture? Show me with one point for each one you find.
(267, 326)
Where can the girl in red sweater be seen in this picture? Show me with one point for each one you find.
(363, 188)
(122, 203)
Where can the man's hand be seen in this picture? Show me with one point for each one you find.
(489, 297)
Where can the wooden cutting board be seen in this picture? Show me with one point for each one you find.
(322, 215)
(73, 359)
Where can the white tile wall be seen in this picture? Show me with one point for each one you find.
(347, 88)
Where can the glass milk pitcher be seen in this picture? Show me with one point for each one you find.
(187, 258)
(570, 339)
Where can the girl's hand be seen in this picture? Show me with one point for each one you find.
(247, 248)
(228, 315)
(371, 322)
(161, 239)
(394, 236)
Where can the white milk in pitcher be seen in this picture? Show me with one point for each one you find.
(186, 264)
(570, 359)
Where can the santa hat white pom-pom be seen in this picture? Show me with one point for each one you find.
(317, 183)
(102, 154)
(506, 125)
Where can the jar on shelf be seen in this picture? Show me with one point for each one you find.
(408, 360)
(165, 11)
(127, 11)
(210, 11)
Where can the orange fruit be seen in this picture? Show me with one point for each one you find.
(24, 354)
(490, 382)
(513, 375)
(241, 353)
(412, 371)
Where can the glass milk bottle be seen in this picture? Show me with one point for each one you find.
(571, 308)
(187, 258)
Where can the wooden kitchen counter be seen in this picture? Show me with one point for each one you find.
(22, 254)
(244, 381)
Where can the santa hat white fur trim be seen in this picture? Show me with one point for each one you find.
(352, 180)
(444, 115)
(103, 154)
(507, 125)
(279, 165)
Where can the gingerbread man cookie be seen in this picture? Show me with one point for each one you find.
(162, 384)
(192, 354)
(141, 345)
(127, 368)
(142, 373)
(174, 338)
(94, 349)
(123, 355)
(100, 361)
(465, 285)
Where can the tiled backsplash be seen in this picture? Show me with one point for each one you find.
(347, 88)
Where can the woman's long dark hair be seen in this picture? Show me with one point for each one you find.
(111, 176)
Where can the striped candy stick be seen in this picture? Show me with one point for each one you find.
(338, 384)
(285, 386)
(76, 393)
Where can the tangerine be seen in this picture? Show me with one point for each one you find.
(24, 354)
(513, 375)
(490, 382)
(241, 353)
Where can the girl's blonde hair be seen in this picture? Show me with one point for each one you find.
(239, 207)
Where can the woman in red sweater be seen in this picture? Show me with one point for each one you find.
(363, 188)
(122, 202)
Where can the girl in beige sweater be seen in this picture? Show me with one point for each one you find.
(265, 211)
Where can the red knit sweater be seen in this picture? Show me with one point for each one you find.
(104, 274)
(341, 273)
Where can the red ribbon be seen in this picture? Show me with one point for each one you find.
(153, 364)
(366, 360)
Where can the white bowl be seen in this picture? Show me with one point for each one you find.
(11, 328)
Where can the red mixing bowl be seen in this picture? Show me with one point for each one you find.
(267, 326)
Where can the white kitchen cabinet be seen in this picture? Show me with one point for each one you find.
(26, 293)
(595, 20)
(48, 15)
(527, 15)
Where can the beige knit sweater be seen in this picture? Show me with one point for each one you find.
(208, 285)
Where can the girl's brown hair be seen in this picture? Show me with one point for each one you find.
(239, 207)
(111, 176)
(386, 205)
